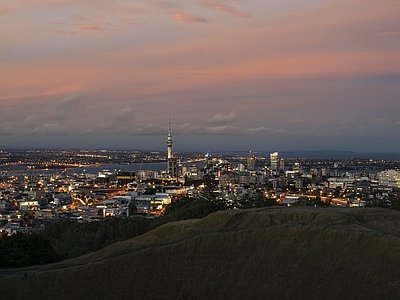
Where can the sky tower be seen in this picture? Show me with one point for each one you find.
(171, 162)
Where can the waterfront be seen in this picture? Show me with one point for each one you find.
(93, 169)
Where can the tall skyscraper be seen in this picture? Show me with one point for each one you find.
(208, 163)
(171, 166)
(274, 157)
(251, 162)
(282, 164)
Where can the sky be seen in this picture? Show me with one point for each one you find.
(232, 75)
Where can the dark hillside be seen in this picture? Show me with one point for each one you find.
(271, 253)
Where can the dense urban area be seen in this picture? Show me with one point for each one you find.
(47, 193)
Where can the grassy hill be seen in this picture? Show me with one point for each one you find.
(271, 253)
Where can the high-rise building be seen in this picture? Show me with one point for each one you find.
(251, 162)
(389, 178)
(208, 163)
(282, 164)
(171, 166)
(123, 178)
(274, 158)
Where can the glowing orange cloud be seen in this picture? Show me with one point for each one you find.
(94, 26)
(188, 18)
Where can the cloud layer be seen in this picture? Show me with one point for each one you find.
(238, 74)
(231, 10)
(188, 18)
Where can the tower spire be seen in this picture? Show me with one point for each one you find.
(170, 156)
(169, 139)
(169, 126)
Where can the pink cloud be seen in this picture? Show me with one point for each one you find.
(94, 26)
(250, 57)
(188, 18)
(64, 31)
(231, 10)
(389, 33)
(4, 11)
(130, 22)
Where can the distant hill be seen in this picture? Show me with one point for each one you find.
(271, 253)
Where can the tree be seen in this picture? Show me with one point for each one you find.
(71, 239)
(23, 250)
(184, 208)
(318, 201)
(210, 188)
(303, 201)
(150, 191)
(28, 218)
(395, 202)
(132, 209)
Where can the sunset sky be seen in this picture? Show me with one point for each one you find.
(233, 75)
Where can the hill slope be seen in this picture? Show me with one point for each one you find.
(278, 253)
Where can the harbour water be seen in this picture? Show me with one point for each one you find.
(89, 169)
(160, 166)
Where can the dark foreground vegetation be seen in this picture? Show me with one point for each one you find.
(69, 239)
(22, 250)
(265, 253)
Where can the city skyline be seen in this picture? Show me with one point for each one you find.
(233, 75)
